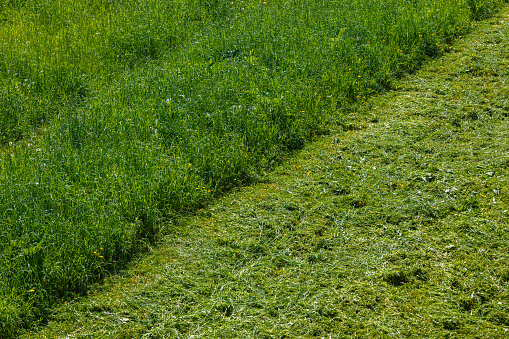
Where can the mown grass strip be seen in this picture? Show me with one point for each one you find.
(118, 116)
(394, 227)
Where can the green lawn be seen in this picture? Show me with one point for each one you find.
(394, 225)
(120, 118)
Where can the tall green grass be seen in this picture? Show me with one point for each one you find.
(117, 115)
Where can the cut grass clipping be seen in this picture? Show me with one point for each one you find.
(117, 116)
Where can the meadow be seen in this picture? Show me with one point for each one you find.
(117, 116)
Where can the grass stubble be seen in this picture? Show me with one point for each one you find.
(393, 226)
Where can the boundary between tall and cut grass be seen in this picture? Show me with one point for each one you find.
(118, 115)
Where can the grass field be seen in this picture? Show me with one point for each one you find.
(394, 227)
(118, 116)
